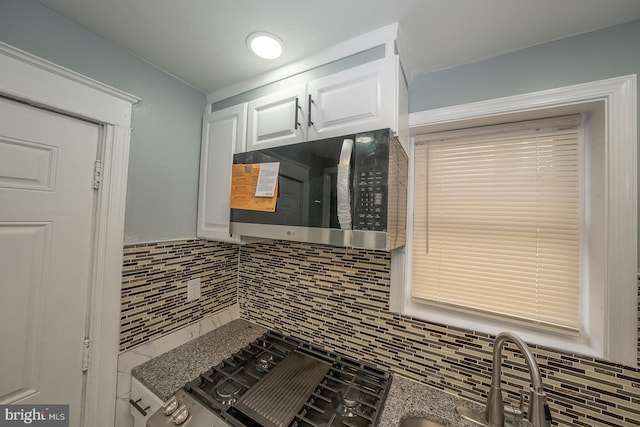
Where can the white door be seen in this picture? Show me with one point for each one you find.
(46, 218)
(223, 133)
(359, 99)
(277, 119)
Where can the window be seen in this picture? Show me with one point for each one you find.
(596, 270)
(497, 221)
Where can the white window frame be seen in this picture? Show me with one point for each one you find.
(612, 334)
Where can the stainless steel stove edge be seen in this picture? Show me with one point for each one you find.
(199, 416)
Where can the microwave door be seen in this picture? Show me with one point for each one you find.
(292, 201)
(292, 207)
(307, 202)
(328, 185)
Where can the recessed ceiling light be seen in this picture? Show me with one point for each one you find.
(264, 45)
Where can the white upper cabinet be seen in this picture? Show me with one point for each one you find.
(302, 102)
(358, 99)
(363, 98)
(277, 119)
(223, 134)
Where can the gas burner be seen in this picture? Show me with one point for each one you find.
(228, 391)
(264, 362)
(347, 403)
(351, 393)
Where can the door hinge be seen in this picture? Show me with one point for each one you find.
(85, 355)
(97, 174)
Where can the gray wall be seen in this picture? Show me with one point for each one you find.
(165, 141)
(598, 55)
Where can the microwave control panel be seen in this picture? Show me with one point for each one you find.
(369, 203)
(370, 178)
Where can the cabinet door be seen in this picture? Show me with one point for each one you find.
(223, 133)
(146, 403)
(358, 99)
(276, 119)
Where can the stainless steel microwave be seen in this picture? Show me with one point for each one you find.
(346, 191)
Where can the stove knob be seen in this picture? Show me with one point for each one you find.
(180, 415)
(170, 406)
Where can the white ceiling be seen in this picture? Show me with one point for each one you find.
(202, 42)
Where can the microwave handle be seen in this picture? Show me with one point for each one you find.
(343, 188)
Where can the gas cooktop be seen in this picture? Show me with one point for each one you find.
(280, 381)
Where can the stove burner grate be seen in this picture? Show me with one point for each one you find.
(351, 394)
(227, 391)
(347, 403)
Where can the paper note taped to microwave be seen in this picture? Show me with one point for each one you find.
(246, 186)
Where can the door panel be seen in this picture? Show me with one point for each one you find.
(26, 165)
(355, 100)
(276, 119)
(22, 245)
(46, 220)
(223, 132)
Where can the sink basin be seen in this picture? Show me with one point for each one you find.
(419, 422)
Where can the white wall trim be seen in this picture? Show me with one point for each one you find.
(34, 80)
(615, 89)
(621, 285)
(104, 328)
(26, 77)
(382, 36)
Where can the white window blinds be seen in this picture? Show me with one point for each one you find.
(497, 220)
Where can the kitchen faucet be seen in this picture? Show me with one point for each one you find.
(538, 413)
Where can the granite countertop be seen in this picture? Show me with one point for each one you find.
(408, 398)
(167, 373)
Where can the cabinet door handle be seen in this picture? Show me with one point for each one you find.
(140, 409)
(296, 117)
(310, 123)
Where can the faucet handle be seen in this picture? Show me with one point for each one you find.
(521, 404)
(547, 413)
(516, 412)
(539, 413)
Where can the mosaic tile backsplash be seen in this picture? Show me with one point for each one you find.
(154, 286)
(339, 298)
